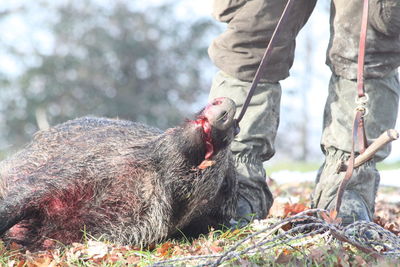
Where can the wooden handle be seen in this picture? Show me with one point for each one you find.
(383, 139)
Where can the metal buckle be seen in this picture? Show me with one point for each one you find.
(362, 104)
(362, 100)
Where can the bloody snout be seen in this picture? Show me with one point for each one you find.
(220, 113)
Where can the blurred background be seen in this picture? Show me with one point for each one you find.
(139, 60)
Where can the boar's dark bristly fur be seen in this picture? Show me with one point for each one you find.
(124, 181)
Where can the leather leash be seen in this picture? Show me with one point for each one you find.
(264, 60)
(358, 131)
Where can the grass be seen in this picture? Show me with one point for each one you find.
(388, 166)
(292, 166)
(322, 251)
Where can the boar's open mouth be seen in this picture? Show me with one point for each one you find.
(218, 114)
(207, 138)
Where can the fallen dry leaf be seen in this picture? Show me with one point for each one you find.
(112, 258)
(178, 251)
(292, 209)
(133, 259)
(216, 249)
(41, 262)
(283, 257)
(344, 260)
(331, 217)
(96, 250)
(277, 210)
(205, 164)
(14, 263)
(14, 246)
(360, 260)
(164, 250)
(388, 225)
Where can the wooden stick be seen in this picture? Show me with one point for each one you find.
(383, 139)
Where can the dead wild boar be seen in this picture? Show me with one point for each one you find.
(124, 181)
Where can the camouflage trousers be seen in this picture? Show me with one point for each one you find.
(255, 142)
(359, 197)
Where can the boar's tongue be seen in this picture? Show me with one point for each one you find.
(205, 124)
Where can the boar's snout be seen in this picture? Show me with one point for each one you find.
(220, 113)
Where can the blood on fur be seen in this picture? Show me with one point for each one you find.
(124, 181)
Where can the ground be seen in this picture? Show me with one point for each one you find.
(277, 246)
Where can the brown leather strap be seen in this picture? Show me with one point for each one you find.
(350, 164)
(358, 131)
(362, 140)
(361, 135)
(361, 50)
(264, 60)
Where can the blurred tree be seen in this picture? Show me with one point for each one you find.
(115, 61)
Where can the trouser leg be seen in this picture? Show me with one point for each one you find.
(238, 52)
(382, 86)
(255, 142)
(359, 197)
(250, 24)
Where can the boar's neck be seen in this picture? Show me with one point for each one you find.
(179, 152)
(180, 147)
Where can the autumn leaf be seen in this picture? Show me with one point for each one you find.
(41, 262)
(277, 209)
(390, 226)
(216, 246)
(287, 226)
(164, 250)
(360, 260)
(292, 209)
(287, 210)
(14, 246)
(284, 257)
(179, 251)
(132, 260)
(14, 263)
(379, 220)
(331, 218)
(205, 164)
(112, 258)
(344, 260)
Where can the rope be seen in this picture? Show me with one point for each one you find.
(368, 237)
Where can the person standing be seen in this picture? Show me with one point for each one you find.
(237, 52)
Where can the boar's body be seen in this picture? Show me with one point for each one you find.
(127, 182)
